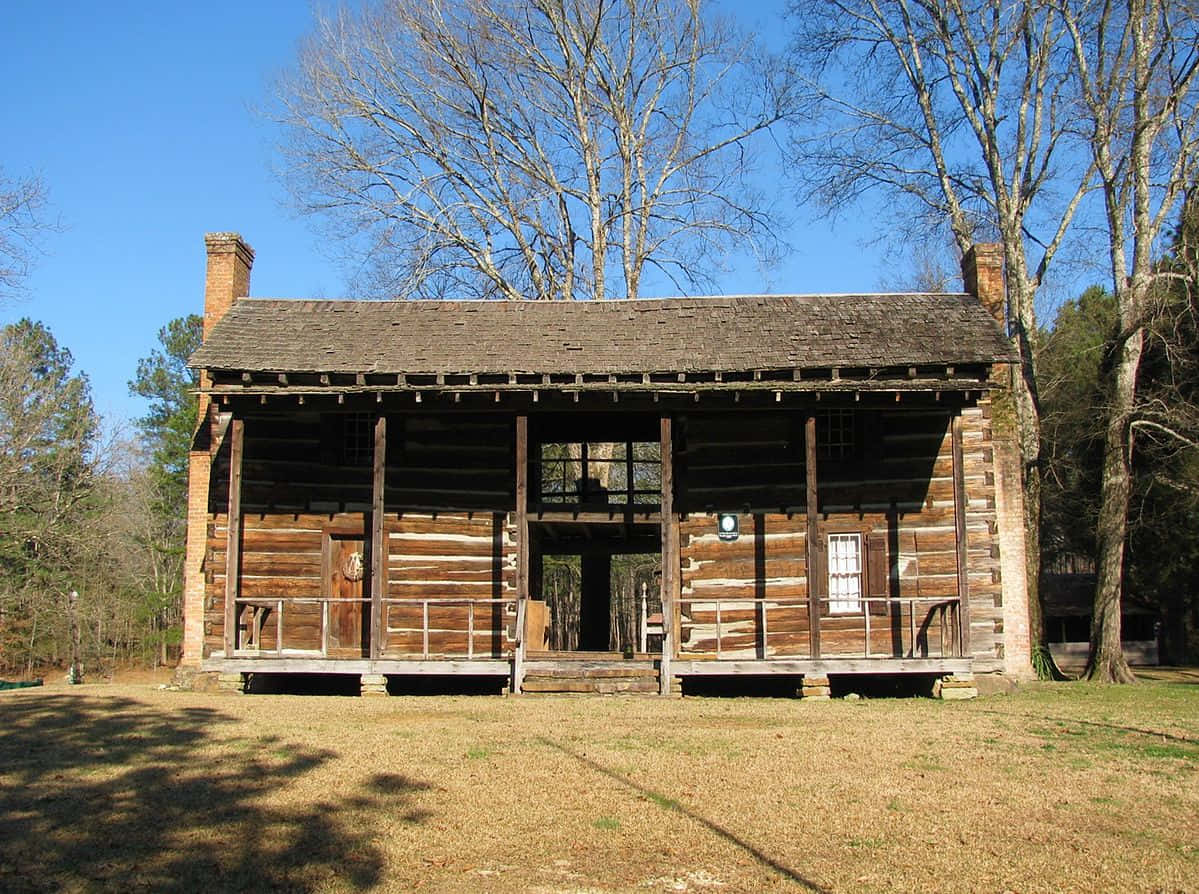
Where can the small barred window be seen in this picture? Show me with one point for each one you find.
(358, 439)
(835, 434)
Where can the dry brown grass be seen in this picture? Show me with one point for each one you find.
(1055, 788)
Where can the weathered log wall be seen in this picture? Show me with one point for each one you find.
(450, 462)
(460, 569)
(281, 556)
(448, 534)
(896, 490)
(306, 477)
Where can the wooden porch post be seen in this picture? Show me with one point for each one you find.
(812, 535)
(669, 554)
(959, 524)
(233, 535)
(378, 557)
(522, 548)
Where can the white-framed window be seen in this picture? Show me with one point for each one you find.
(844, 573)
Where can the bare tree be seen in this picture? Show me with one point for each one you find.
(532, 148)
(22, 206)
(1136, 65)
(956, 111)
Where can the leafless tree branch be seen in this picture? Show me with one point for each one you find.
(535, 149)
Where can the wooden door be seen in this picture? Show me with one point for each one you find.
(349, 583)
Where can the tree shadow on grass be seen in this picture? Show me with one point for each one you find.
(113, 794)
(711, 825)
(1098, 724)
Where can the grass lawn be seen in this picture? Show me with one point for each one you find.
(1058, 787)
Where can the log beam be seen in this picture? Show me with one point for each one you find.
(812, 534)
(378, 540)
(959, 524)
(522, 547)
(670, 553)
(233, 534)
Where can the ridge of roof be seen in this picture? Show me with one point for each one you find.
(606, 302)
(608, 337)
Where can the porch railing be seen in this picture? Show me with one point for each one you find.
(940, 610)
(471, 603)
(254, 616)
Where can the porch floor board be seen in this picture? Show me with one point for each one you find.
(496, 667)
(821, 666)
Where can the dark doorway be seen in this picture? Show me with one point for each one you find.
(600, 585)
(595, 603)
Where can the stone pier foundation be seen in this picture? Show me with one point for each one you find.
(815, 687)
(374, 684)
(955, 686)
(232, 682)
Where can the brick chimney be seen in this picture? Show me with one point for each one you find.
(228, 278)
(982, 272)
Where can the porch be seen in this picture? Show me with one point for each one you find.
(716, 637)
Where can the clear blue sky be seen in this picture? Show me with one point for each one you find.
(141, 118)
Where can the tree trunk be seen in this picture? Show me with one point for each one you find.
(1106, 662)
(1032, 556)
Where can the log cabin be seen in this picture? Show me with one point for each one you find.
(810, 488)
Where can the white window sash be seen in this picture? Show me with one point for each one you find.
(845, 573)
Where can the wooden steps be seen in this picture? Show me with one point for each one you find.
(592, 675)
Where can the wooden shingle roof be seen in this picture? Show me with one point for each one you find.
(683, 335)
